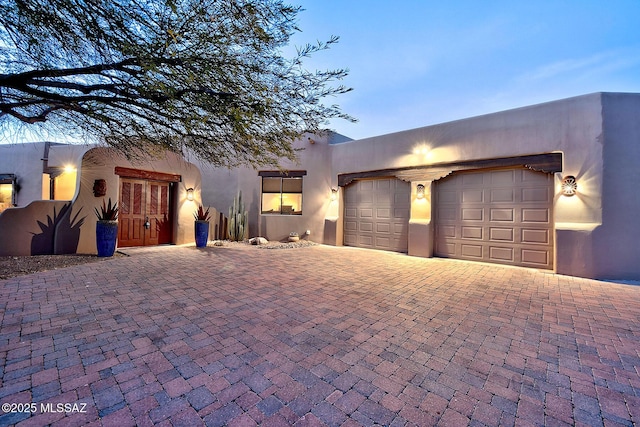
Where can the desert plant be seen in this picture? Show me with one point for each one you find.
(238, 219)
(107, 212)
(201, 214)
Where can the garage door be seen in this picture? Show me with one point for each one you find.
(500, 216)
(376, 214)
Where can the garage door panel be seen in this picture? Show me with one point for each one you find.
(472, 196)
(473, 179)
(400, 214)
(350, 240)
(447, 214)
(383, 227)
(364, 186)
(502, 178)
(448, 197)
(383, 199)
(383, 243)
(365, 213)
(535, 258)
(365, 226)
(535, 236)
(501, 195)
(536, 195)
(365, 240)
(383, 213)
(382, 184)
(365, 198)
(402, 199)
(446, 249)
(527, 178)
(351, 226)
(472, 214)
(501, 234)
(472, 233)
(535, 215)
(382, 208)
(447, 231)
(473, 251)
(501, 216)
(501, 254)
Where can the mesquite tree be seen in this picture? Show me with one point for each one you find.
(191, 76)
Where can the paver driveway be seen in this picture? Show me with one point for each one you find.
(316, 336)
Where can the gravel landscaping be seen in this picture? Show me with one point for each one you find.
(12, 266)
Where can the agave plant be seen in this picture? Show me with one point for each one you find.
(108, 212)
(201, 214)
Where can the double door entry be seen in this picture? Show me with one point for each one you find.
(145, 213)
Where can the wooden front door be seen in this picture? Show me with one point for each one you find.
(145, 213)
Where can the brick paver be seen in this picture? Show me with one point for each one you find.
(317, 336)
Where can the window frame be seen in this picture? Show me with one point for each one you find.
(282, 176)
(10, 179)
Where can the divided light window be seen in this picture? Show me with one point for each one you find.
(282, 192)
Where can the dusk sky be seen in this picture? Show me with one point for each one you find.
(416, 63)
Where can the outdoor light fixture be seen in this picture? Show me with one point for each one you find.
(190, 194)
(420, 191)
(569, 185)
(334, 194)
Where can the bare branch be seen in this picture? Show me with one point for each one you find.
(202, 75)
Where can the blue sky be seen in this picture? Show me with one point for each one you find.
(416, 63)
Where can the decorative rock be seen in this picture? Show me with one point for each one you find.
(258, 241)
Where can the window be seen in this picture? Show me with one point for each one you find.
(7, 191)
(59, 183)
(282, 192)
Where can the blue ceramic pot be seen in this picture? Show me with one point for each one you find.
(202, 233)
(106, 236)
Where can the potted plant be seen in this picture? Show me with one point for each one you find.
(107, 228)
(202, 226)
(294, 237)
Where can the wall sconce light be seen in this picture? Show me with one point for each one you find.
(420, 191)
(190, 194)
(334, 194)
(569, 185)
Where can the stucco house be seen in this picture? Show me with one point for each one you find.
(549, 186)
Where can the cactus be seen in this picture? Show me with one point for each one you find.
(238, 220)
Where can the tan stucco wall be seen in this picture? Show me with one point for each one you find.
(220, 186)
(26, 162)
(616, 243)
(30, 230)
